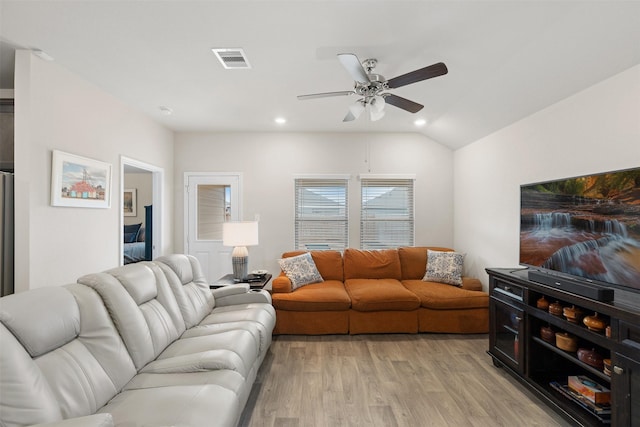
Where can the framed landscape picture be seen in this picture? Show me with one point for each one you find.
(79, 181)
(129, 202)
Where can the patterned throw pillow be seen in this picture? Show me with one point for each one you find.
(444, 267)
(301, 270)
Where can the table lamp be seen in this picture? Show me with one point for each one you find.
(240, 235)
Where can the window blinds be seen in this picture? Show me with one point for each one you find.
(212, 209)
(321, 212)
(386, 219)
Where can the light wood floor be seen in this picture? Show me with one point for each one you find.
(388, 380)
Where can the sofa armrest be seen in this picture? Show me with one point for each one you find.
(281, 284)
(471, 284)
(223, 291)
(253, 296)
(95, 420)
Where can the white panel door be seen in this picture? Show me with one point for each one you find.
(210, 200)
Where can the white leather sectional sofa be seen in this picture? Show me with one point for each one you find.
(146, 344)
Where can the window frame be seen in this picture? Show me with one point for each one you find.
(397, 237)
(338, 241)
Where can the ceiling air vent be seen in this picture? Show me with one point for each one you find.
(232, 59)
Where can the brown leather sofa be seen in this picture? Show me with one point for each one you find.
(377, 292)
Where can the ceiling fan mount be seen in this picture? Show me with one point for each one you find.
(369, 64)
(375, 83)
(371, 87)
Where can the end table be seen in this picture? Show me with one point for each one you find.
(227, 280)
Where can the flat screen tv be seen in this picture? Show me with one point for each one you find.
(586, 227)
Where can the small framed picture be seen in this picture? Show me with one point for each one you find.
(129, 202)
(79, 181)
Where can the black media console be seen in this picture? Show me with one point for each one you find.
(517, 344)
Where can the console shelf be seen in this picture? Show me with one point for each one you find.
(581, 331)
(515, 344)
(574, 359)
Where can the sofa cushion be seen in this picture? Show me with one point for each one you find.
(73, 377)
(444, 267)
(381, 264)
(413, 260)
(41, 324)
(179, 405)
(441, 296)
(380, 295)
(301, 270)
(328, 263)
(139, 283)
(255, 312)
(187, 281)
(147, 328)
(26, 396)
(196, 302)
(236, 350)
(327, 296)
(154, 329)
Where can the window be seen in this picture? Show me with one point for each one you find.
(321, 221)
(386, 218)
(214, 208)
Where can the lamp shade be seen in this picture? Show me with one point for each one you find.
(243, 233)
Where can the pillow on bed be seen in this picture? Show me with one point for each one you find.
(131, 232)
(141, 234)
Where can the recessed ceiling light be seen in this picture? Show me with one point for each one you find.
(166, 110)
(280, 120)
(420, 122)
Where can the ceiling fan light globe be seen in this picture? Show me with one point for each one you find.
(356, 109)
(375, 115)
(349, 117)
(377, 104)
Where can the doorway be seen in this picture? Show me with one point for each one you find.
(210, 200)
(142, 184)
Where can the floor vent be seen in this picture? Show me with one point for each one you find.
(232, 59)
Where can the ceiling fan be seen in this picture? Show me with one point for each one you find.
(371, 87)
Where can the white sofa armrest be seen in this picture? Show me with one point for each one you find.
(254, 296)
(95, 420)
(223, 291)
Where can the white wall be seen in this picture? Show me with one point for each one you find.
(142, 182)
(269, 162)
(55, 109)
(596, 130)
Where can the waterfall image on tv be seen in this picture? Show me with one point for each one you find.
(587, 226)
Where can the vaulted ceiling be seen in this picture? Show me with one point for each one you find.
(506, 59)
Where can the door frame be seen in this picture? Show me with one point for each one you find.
(157, 178)
(187, 176)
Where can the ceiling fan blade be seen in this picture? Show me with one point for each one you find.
(325, 95)
(405, 104)
(354, 67)
(425, 73)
